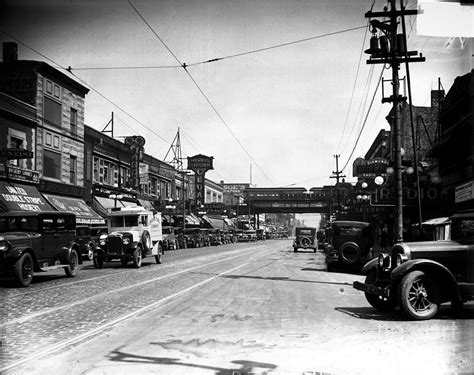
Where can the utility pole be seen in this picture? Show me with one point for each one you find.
(392, 50)
(338, 175)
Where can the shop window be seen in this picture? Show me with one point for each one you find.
(51, 164)
(52, 112)
(17, 142)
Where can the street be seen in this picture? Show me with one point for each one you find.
(234, 309)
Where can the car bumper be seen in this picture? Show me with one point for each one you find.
(371, 289)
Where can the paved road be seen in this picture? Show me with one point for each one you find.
(241, 308)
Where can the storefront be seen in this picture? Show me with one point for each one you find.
(16, 197)
(84, 214)
(105, 199)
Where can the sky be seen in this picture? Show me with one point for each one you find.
(273, 118)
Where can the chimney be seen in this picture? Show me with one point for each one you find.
(436, 97)
(10, 52)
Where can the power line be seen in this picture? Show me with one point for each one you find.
(354, 86)
(200, 90)
(129, 67)
(276, 46)
(365, 120)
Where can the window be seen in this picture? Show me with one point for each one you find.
(73, 121)
(52, 112)
(106, 172)
(72, 169)
(51, 164)
(17, 143)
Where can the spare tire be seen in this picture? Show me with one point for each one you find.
(146, 241)
(349, 253)
(305, 242)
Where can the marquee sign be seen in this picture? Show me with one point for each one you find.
(199, 164)
(136, 150)
(370, 168)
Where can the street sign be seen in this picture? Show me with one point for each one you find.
(16, 153)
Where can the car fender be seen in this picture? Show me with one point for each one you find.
(369, 266)
(65, 253)
(443, 274)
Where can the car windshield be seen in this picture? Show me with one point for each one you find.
(347, 230)
(464, 230)
(124, 221)
(304, 231)
(9, 224)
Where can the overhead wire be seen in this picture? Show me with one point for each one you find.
(201, 91)
(365, 120)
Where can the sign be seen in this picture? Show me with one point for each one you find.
(18, 197)
(464, 192)
(16, 173)
(234, 188)
(135, 148)
(16, 153)
(143, 173)
(200, 164)
(370, 168)
(102, 191)
(386, 195)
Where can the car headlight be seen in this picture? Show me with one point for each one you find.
(4, 245)
(126, 240)
(384, 260)
(401, 258)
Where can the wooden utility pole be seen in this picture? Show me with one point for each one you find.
(392, 50)
(338, 174)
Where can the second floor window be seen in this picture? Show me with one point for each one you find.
(73, 169)
(17, 143)
(52, 164)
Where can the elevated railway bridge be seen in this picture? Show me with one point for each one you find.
(288, 200)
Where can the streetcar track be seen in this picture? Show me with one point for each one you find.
(34, 290)
(103, 327)
(95, 296)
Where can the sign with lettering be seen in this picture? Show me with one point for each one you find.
(464, 192)
(386, 195)
(102, 191)
(200, 164)
(18, 197)
(370, 168)
(12, 172)
(16, 153)
(234, 188)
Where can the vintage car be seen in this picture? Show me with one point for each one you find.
(38, 241)
(133, 234)
(419, 276)
(261, 234)
(247, 235)
(349, 244)
(321, 237)
(181, 239)
(88, 238)
(216, 237)
(170, 242)
(305, 238)
(193, 237)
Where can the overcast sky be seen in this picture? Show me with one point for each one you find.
(282, 113)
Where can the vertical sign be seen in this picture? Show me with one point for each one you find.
(135, 147)
(200, 164)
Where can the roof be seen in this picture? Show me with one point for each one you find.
(437, 221)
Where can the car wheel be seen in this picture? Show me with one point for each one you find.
(159, 256)
(379, 302)
(23, 270)
(349, 254)
(305, 242)
(137, 257)
(418, 295)
(72, 268)
(98, 262)
(90, 252)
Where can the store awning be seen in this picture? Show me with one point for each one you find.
(192, 220)
(437, 221)
(104, 205)
(229, 223)
(217, 223)
(19, 197)
(84, 214)
(147, 204)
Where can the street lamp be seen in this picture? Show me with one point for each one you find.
(363, 198)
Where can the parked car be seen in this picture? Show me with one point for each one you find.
(169, 238)
(305, 237)
(349, 244)
(193, 237)
(419, 276)
(261, 234)
(133, 234)
(205, 237)
(216, 237)
(88, 238)
(247, 235)
(38, 241)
